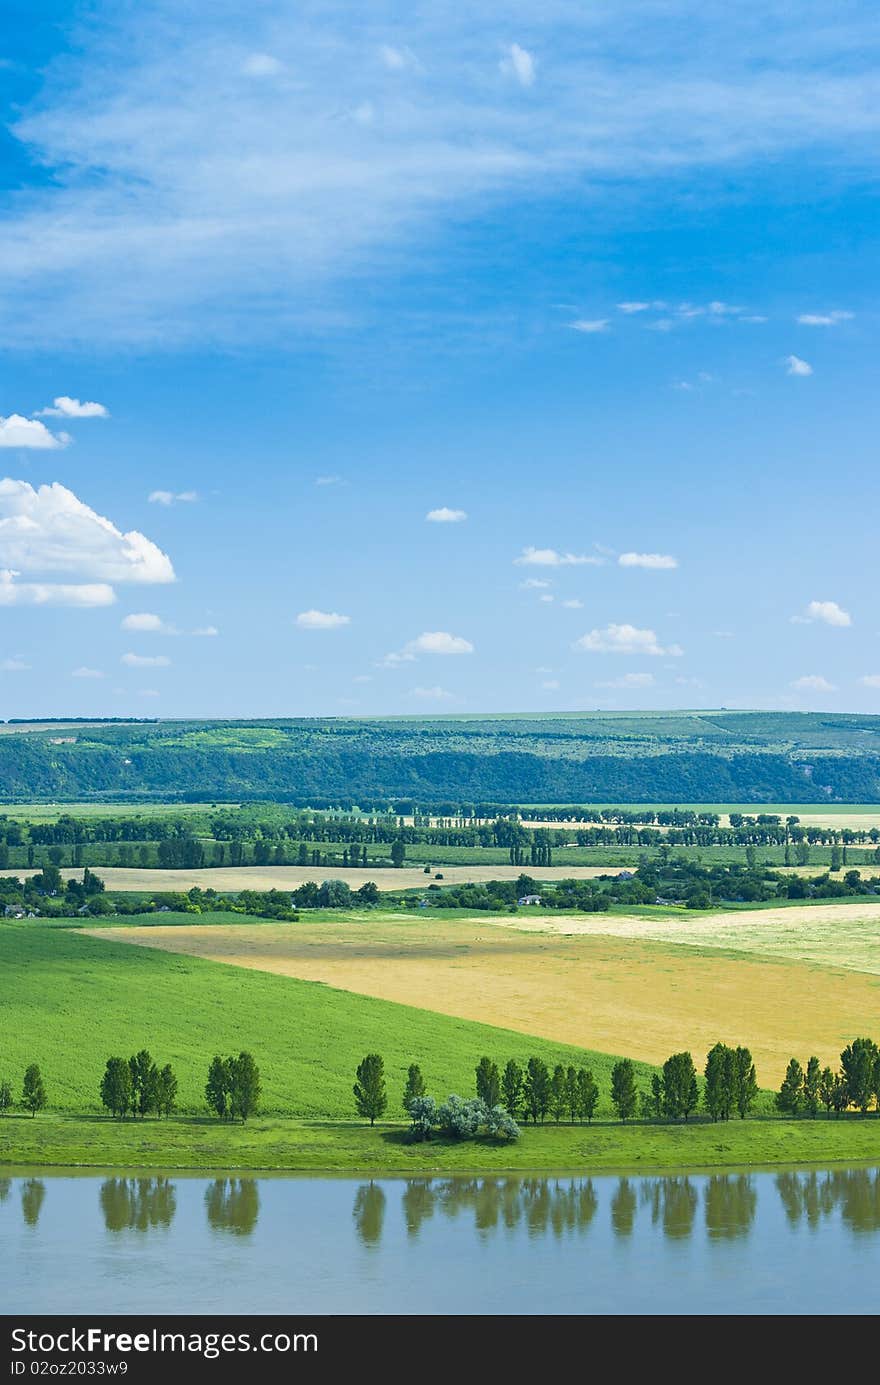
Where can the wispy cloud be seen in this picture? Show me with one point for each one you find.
(237, 180)
(13, 666)
(172, 497)
(439, 642)
(589, 325)
(794, 365)
(65, 407)
(548, 557)
(321, 620)
(813, 682)
(85, 672)
(654, 561)
(832, 319)
(446, 516)
(145, 660)
(519, 64)
(870, 680)
(625, 639)
(434, 694)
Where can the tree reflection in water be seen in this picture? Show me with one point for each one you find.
(233, 1204)
(810, 1197)
(33, 1191)
(673, 1203)
(5, 1185)
(137, 1204)
(369, 1213)
(730, 1204)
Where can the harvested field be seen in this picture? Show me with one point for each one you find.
(618, 994)
(232, 878)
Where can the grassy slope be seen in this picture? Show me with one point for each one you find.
(69, 1002)
(346, 1147)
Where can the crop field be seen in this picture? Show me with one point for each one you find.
(841, 934)
(644, 987)
(70, 1001)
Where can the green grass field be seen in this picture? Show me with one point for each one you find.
(71, 1001)
(279, 1144)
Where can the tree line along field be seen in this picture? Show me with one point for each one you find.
(706, 756)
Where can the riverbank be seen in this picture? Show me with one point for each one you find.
(346, 1147)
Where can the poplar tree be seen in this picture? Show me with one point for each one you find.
(558, 1093)
(812, 1080)
(745, 1082)
(536, 1089)
(488, 1082)
(789, 1098)
(116, 1087)
(370, 1096)
(512, 1087)
(33, 1092)
(588, 1094)
(624, 1095)
(415, 1086)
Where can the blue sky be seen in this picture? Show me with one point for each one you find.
(598, 287)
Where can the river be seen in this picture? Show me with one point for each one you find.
(804, 1241)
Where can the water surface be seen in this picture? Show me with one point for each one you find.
(796, 1242)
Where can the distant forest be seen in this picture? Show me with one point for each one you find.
(709, 757)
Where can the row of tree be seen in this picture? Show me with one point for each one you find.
(857, 1083)
(137, 1086)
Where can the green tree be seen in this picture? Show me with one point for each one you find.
(588, 1094)
(812, 1082)
(624, 1095)
(370, 1096)
(680, 1090)
(512, 1087)
(488, 1082)
(398, 853)
(144, 1083)
(558, 1093)
(857, 1063)
(572, 1095)
(33, 1091)
(415, 1086)
(654, 1101)
(166, 1091)
(536, 1090)
(827, 1082)
(719, 1092)
(116, 1087)
(218, 1086)
(245, 1088)
(5, 1096)
(745, 1082)
(789, 1098)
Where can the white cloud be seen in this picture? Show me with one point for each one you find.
(321, 620)
(624, 639)
(145, 660)
(438, 642)
(654, 561)
(795, 366)
(397, 59)
(634, 307)
(261, 65)
(396, 658)
(16, 431)
(870, 680)
(548, 557)
(629, 680)
(84, 672)
(573, 604)
(328, 481)
(145, 622)
(148, 692)
(824, 319)
(15, 593)
(206, 631)
(13, 666)
(65, 407)
(826, 611)
(813, 682)
(50, 530)
(172, 498)
(534, 584)
(589, 325)
(446, 516)
(435, 694)
(519, 64)
(547, 597)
